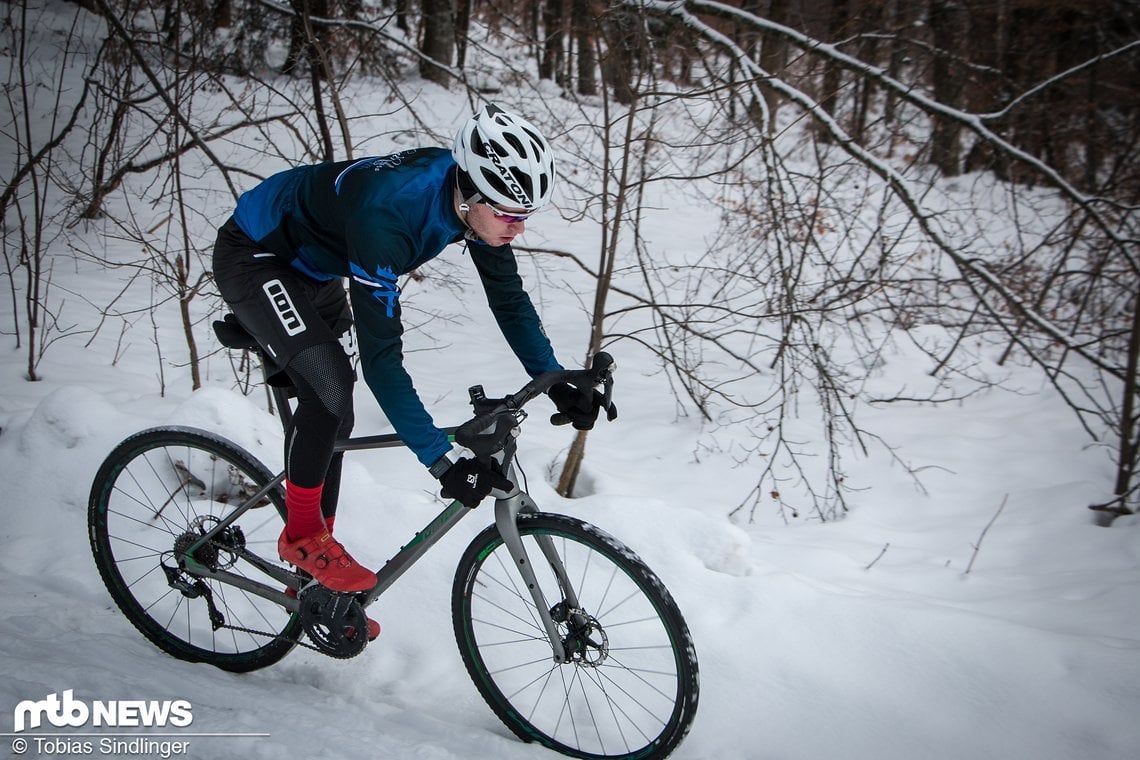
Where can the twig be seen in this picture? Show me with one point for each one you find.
(985, 530)
(160, 91)
(886, 546)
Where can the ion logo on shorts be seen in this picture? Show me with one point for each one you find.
(283, 307)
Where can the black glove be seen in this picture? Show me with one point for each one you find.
(469, 481)
(579, 406)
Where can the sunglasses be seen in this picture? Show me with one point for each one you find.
(510, 218)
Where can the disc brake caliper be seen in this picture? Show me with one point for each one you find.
(586, 641)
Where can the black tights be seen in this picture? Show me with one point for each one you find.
(323, 378)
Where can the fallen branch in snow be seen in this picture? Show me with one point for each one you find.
(985, 530)
(886, 546)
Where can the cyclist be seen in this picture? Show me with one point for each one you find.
(281, 261)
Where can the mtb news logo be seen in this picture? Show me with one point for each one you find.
(74, 713)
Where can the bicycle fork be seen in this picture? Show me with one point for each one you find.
(506, 520)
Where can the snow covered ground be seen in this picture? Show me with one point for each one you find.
(862, 638)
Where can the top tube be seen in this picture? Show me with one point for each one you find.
(382, 441)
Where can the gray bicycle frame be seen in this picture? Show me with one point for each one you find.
(508, 505)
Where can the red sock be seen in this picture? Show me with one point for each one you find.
(329, 523)
(303, 506)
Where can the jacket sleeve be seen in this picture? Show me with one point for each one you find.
(379, 331)
(514, 312)
(376, 308)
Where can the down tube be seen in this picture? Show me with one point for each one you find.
(412, 551)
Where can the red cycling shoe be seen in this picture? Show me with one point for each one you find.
(325, 558)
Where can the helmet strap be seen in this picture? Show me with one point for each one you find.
(465, 189)
(464, 207)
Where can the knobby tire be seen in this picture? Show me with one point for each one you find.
(165, 483)
(630, 691)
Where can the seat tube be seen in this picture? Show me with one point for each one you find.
(506, 513)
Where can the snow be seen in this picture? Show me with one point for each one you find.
(858, 638)
(863, 638)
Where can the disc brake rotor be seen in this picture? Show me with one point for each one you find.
(586, 641)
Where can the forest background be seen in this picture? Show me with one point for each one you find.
(760, 111)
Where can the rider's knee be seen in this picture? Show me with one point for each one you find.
(323, 373)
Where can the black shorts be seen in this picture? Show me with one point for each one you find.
(285, 310)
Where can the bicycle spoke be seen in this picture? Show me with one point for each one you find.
(629, 685)
(157, 494)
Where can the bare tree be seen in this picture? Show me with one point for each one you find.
(997, 289)
(31, 196)
(838, 242)
(438, 45)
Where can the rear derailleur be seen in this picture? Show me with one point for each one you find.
(219, 553)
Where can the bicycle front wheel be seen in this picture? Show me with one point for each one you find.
(630, 687)
(155, 495)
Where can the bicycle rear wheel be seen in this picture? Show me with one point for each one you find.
(630, 688)
(164, 488)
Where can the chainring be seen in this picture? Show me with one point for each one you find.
(335, 622)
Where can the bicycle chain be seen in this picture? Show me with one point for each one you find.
(217, 620)
(339, 648)
(266, 634)
(219, 623)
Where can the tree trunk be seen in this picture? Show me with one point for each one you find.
(569, 478)
(222, 14)
(832, 72)
(871, 19)
(619, 29)
(402, 10)
(898, 17)
(948, 26)
(1129, 419)
(462, 27)
(611, 236)
(438, 41)
(584, 24)
(773, 53)
(553, 49)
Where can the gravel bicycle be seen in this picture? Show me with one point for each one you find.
(570, 638)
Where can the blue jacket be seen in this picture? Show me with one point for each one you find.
(371, 221)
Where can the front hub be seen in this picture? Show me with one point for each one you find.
(585, 641)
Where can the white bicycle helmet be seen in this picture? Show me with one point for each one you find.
(505, 159)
